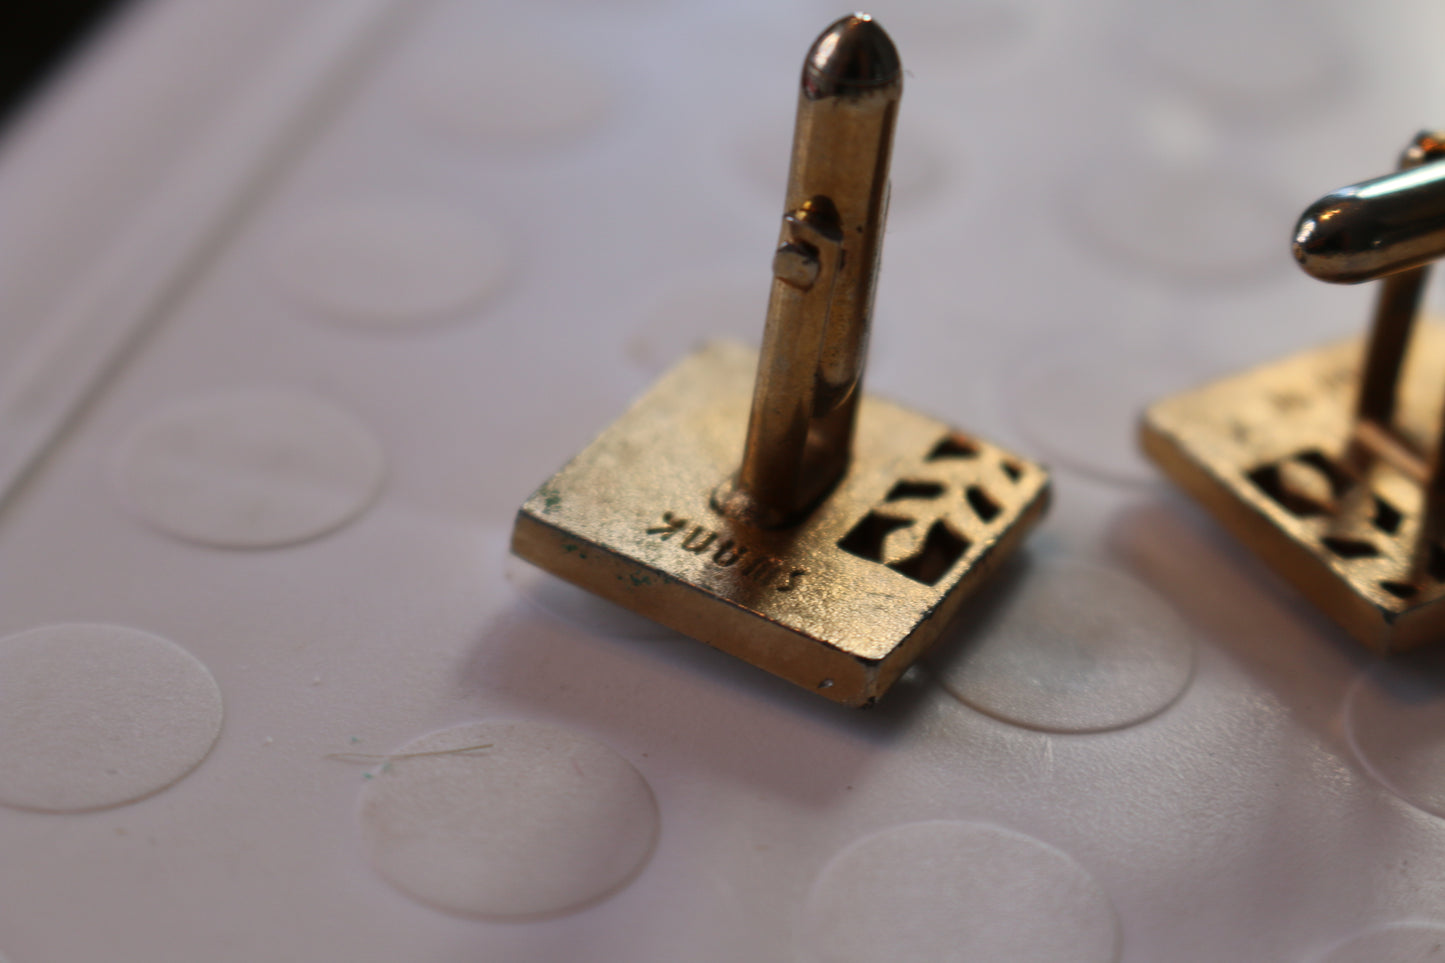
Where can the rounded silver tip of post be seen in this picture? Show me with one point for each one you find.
(1326, 242)
(853, 56)
(1382, 226)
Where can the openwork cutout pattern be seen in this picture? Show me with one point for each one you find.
(1352, 525)
(930, 518)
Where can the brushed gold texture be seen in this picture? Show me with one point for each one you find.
(1271, 453)
(840, 603)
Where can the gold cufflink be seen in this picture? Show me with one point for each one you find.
(1329, 464)
(826, 537)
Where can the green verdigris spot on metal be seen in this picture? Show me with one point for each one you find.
(551, 500)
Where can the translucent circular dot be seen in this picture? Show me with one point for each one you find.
(93, 716)
(391, 264)
(1245, 59)
(1064, 404)
(1186, 221)
(250, 469)
(1075, 648)
(501, 89)
(1395, 718)
(1405, 942)
(956, 891)
(517, 820)
(697, 310)
(579, 607)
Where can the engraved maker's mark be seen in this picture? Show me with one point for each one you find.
(670, 526)
(724, 551)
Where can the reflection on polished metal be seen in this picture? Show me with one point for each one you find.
(805, 401)
(821, 534)
(1389, 228)
(1378, 227)
(1331, 464)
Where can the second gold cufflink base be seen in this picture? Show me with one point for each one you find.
(1265, 452)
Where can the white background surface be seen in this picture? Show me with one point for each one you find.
(1092, 205)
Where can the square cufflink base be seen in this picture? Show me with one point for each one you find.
(1264, 452)
(841, 603)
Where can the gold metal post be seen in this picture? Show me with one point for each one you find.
(805, 398)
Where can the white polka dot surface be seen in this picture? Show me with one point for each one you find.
(1246, 60)
(392, 264)
(1395, 718)
(1406, 942)
(1193, 222)
(1077, 399)
(93, 716)
(479, 220)
(1075, 648)
(970, 35)
(250, 469)
(959, 891)
(509, 89)
(508, 820)
(694, 310)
